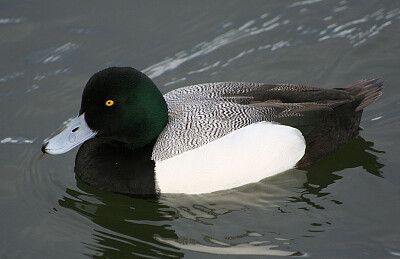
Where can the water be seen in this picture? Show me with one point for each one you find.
(345, 206)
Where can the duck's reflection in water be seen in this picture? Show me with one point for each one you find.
(127, 226)
(357, 153)
(159, 227)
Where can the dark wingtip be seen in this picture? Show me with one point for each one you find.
(368, 90)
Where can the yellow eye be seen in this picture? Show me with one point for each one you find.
(109, 103)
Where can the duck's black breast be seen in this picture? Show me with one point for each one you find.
(113, 167)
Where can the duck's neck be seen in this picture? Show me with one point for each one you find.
(113, 167)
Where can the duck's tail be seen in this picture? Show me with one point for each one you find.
(367, 90)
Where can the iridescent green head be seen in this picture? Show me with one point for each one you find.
(119, 103)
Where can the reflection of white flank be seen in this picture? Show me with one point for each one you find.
(222, 248)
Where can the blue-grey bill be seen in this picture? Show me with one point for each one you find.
(75, 132)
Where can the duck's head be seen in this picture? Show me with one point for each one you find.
(120, 104)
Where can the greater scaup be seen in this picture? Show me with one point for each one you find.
(207, 137)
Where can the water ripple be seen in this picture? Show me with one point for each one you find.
(223, 248)
(203, 69)
(13, 20)
(359, 30)
(356, 30)
(16, 140)
(207, 47)
(11, 76)
(61, 71)
(306, 2)
(20, 82)
(55, 54)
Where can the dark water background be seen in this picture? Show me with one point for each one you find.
(346, 206)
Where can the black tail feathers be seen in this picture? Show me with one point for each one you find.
(367, 90)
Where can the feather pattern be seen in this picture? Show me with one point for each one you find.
(199, 114)
(202, 113)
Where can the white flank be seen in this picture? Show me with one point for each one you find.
(244, 156)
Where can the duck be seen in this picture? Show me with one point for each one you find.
(206, 137)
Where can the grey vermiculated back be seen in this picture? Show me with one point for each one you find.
(199, 114)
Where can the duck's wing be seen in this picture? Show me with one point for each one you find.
(327, 118)
(199, 114)
(299, 106)
(202, 113)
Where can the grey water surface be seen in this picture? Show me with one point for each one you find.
(346, 206)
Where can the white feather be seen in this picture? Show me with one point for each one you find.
(244, 156)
